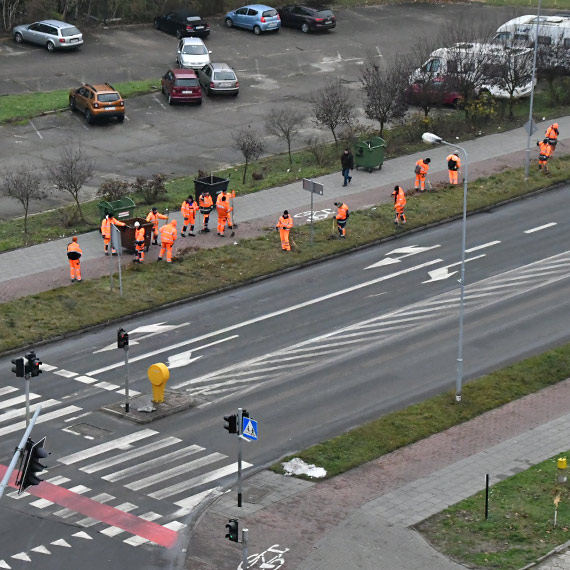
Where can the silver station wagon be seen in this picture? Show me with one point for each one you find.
(52, 34)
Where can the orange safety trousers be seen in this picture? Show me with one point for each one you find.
(74, 269)
(284, 235)
(166, 247)
(420, 181)
(453, 176)
(222, 221)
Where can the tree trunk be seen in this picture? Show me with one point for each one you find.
(244, 172)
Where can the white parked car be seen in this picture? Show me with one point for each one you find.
(192, 53)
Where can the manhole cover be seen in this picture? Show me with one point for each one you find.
(88, 431)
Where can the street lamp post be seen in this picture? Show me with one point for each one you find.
(434, 139)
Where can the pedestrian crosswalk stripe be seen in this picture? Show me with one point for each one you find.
(21, 412)
(7, 390)
(41, 419)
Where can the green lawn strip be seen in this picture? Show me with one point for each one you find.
(197, 271)
(29, 105)
(401, 428)
(520, 528)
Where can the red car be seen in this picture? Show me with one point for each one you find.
(437, 92)
(181, 86)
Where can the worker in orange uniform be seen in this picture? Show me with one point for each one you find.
(206, 206)
(453, 166)
(106, 224)
(544, 153)
(284, 225)
(153, 216)
(421, 170)
(189, 209)
(399, 204)
(341, 218)
(74, 254)
(168, 235)
(228, 196)
(223, 207)
(551, 134)
(139, 242)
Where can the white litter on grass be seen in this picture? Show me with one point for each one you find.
(298, 467)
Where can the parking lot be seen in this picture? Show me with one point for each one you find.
(273, 69)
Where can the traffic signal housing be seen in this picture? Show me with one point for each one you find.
(33, 364)
(231, 423)
(232, 527)
(18, 368)
(122, 338)
(32, 464)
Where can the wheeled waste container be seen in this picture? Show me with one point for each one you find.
(128, 233)
(369, 154)
(214, 185)
(121, 209)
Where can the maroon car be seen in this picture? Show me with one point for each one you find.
(181, 86)
(437, 92)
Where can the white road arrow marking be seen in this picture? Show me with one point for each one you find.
(442, 273)
(182, 359)
(4, 564)
(22, 556)
(405, 251)
(152, 330)
(61, 542)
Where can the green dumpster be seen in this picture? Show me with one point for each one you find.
(121, 209)
(370, 153)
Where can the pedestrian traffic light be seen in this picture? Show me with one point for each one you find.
(244, 414)
(122, 338)
(18, 367)
(32, 367)
(231, 423)
(32, 464)
(232, 527)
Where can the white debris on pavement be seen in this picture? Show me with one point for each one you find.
(298, 467)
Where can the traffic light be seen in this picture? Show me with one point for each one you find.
(33, 364)
(18, 367)
(244, 414)
(232, 527)
(231, 423)
(122, 338)
(32, 464)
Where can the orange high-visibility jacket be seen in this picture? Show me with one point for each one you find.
(342, 213)
(187, 209)
(206, 204)
(285, 223)
(152, 217)
(224, 209)
(168, 234)
(400, 200)
(73, 251)
(226, 194)
(451, 159)
(139, 236)
(544, 150)
(552, 132)
(106, 226)
(423, 167)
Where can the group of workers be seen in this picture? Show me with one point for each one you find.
(547, 146)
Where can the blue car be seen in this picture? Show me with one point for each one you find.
(256, 17)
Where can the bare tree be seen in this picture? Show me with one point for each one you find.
(112, 190)
(552, 63)
(152, 189)
(10, 9)
(384, 91)
(285, 124)
(333, 106)
(73, 169)
(25, 186)
(250, 144)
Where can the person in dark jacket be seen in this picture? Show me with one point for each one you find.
(347, 162)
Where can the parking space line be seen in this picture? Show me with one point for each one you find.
(37, 132)
(156, 99)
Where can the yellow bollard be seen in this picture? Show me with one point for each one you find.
(158, 374)
(561, 464)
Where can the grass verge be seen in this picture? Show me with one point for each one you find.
(520, 528)
(42, 316)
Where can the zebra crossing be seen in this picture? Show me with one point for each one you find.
(377, 329)
(158, 479)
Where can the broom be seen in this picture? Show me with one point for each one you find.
(333, 234)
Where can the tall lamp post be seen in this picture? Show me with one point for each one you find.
(430, 138)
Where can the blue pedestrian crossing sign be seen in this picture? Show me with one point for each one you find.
(249, 429)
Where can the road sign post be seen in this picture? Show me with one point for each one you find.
(239, 421)
(123, 342)
(314, 188)
(245, 564)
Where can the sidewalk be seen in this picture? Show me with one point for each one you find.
(363, 520)
(47, 263)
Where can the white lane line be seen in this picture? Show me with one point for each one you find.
(156, 99)
(41, 419)
(37, 132)
(65, 373)
(269, 316)
(538, 228)
(196, 481)
(119, 443)
(189, 503)
(482, 246)
(85, 379)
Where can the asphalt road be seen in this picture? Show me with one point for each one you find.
(309, 353)
(273, 69)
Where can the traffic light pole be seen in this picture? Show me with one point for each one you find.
(239, 422)
(19, 451)
(126, 349)
(27, 384)
(245, 564)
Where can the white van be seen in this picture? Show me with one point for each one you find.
(523, 31)
(465, 58)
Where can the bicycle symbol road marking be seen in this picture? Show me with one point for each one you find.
(266, 563)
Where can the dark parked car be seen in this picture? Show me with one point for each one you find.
(182, 24)
(181, 86)
(307, 19)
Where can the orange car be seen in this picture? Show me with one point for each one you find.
(97, 101)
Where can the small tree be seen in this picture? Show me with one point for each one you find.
(73, 169)
(151, 190)
(333, 106)
(25, 185)
(285, 124)
(249, 143)
(113, 190)
(384, 91)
